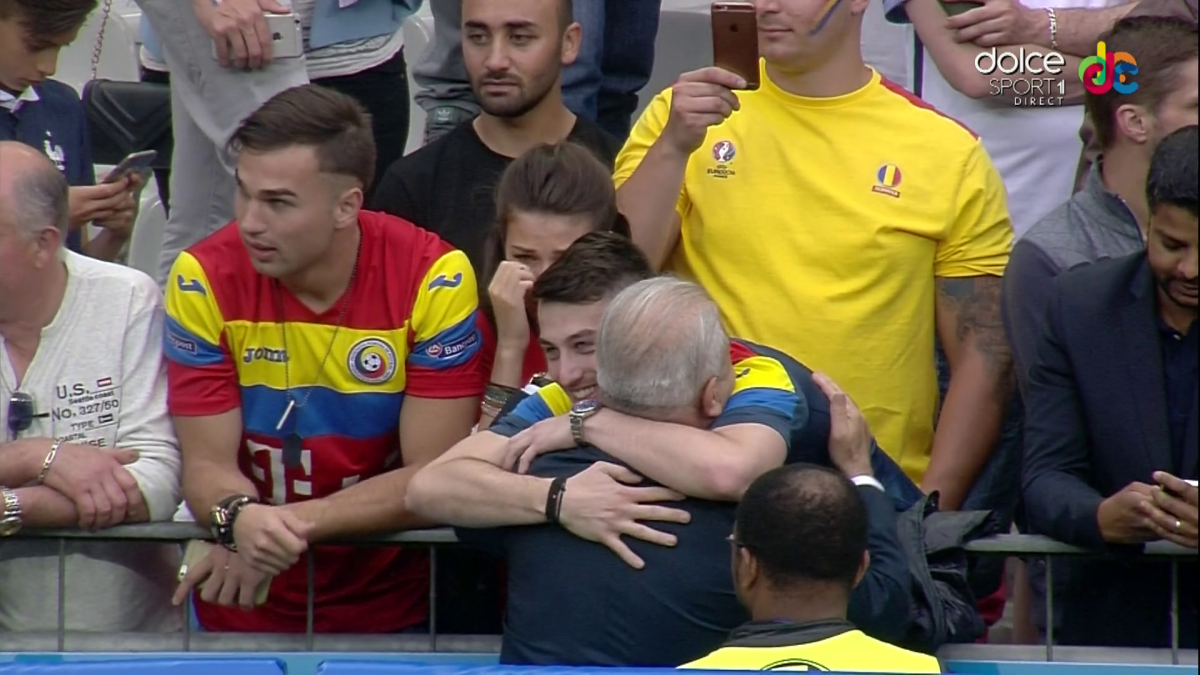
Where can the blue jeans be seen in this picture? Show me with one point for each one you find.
(896, 483)
(614, 61)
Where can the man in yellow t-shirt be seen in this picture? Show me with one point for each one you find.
(799, 549)
(835, 216)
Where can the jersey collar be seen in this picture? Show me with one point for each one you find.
(785, 633)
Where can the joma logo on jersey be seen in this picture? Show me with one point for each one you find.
(443, 281)
(262, 354)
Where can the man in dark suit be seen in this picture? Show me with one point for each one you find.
(1112, 415)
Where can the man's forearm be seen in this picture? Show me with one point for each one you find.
(206, 483)
(468, 492)
(648, 200)
(21, 461)
(46, 508)
(957, 62)
(1080, 29)
(372, 506)
(695, 462)
(981, 385)
(968, 428)
(105, 246)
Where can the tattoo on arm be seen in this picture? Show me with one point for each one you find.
(974, 303)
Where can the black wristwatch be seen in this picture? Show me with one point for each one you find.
(223, 515)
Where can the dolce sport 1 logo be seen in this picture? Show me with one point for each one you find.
(1030, 78)
(1108, 71)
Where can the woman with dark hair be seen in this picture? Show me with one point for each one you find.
(545, 200)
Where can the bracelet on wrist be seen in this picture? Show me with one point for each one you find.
(46, 463)
(1052, 23)
(488, 410)
(497, 395)
(225, 514)
(554, 499)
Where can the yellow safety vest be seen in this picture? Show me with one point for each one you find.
(848, 652)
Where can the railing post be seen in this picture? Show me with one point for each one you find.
(433, 632)
(62, 595)
(310, 610)
(187, 622)
(1174, 613)
(1049, 608)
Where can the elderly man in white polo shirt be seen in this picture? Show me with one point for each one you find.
(86, 441)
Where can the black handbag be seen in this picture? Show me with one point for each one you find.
(126, 117)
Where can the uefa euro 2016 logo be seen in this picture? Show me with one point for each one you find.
(1108, 71)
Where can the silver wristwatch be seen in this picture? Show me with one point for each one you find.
(10, 517)
(580, 412)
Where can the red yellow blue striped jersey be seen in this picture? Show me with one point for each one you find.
(763, 393)
(237, 339)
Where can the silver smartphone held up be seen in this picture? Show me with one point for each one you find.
(134, 162)
(287, 38)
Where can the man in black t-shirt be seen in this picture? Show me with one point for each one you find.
(515, 52)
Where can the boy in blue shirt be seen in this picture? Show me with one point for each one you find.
(47, 114)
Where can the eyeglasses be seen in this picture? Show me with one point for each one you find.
(20, 413)
(735, 542)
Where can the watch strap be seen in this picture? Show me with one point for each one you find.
(576, 427)
(10, 516)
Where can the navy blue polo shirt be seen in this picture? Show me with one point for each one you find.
(573, 602)
(56, 125)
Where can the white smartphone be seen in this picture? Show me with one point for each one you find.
(287, 39)
(1192, 482)
(134, 162)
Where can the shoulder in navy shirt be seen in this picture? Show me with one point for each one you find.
(56, 125)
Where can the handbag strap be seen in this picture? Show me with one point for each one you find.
(98, 50)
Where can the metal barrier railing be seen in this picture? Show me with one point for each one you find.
(1003, 545)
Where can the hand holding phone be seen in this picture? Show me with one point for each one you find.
(700, 99)
(735, 40)
(1175, 517)
(135, 162)
(242, 32)
(100, 202)
(1177, 487)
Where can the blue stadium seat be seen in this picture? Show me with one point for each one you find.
(1042, 668)
(351, 667)
(408, 668)
(149, 667)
